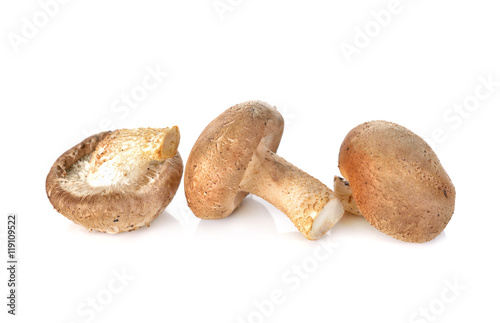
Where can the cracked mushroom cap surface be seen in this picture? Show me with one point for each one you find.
(110, 209)
(397, 181)
(221, 154)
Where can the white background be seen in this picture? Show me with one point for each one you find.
(61, 83)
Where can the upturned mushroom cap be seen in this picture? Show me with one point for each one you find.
(397, 181)
(220, 156)
(115, 208)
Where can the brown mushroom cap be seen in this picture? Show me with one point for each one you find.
(397, 181)
(110, 209)
(220, 156)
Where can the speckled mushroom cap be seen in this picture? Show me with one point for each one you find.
(397, 181)
(111, 210)
(220, 156)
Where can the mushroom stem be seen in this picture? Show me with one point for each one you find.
(311, 206)
(343, 189)
(123, 157)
